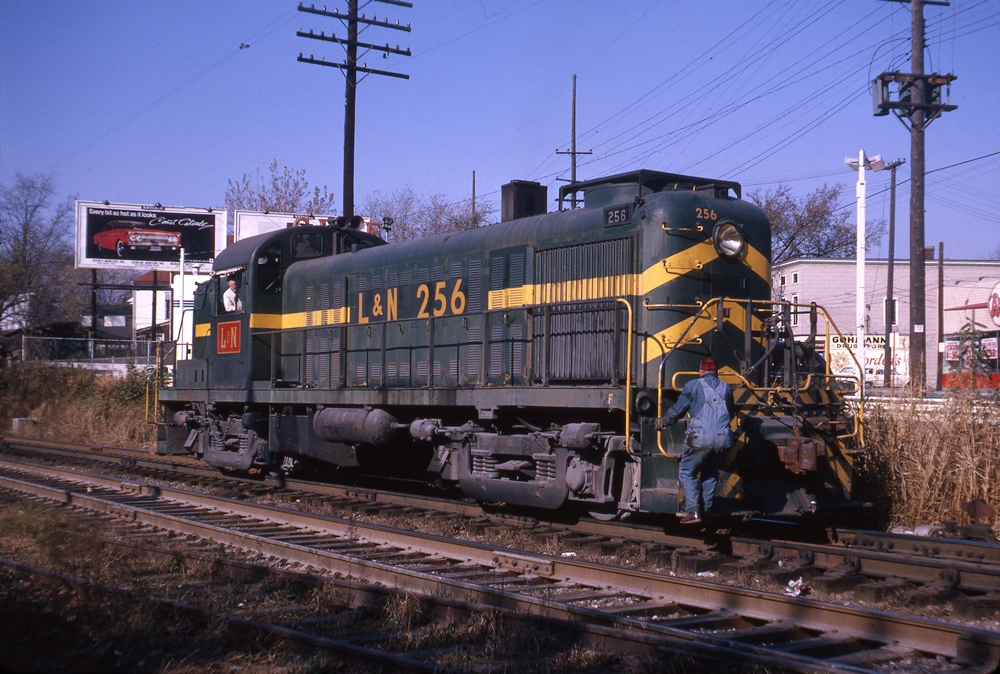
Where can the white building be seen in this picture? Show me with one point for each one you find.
(950, 285)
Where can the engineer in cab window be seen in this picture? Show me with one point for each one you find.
(231, 299)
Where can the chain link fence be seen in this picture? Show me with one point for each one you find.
(112, 356)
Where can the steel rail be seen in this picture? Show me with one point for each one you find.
(596, 637)
(951, 641)
(137, 458)
(928, 546)
(943, 565)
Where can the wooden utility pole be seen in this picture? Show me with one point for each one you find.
(918, 302)
(351, 69)
(919, 103)
(573, 153)
(888, 365)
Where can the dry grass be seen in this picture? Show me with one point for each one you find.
(921, 466)
(75, 405)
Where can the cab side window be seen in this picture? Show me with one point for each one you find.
(307, 245)
(269, 269)
(231, 293)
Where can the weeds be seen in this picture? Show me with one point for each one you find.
(920, 466)
(73, 404)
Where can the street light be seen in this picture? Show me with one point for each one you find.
(860, 164)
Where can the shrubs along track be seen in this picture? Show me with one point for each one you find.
(75, 405)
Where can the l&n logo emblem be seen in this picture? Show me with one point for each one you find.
(229, 337)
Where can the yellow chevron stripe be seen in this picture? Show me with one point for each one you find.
(658, 344)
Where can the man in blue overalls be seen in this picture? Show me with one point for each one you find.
(709, 400)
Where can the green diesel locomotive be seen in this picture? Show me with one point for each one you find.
(523, 362)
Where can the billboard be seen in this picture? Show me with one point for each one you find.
(128, 236)
(842, 357)
(252, 223)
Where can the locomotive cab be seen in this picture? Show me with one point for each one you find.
(253, 269)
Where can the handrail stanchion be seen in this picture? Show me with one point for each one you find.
(628, 379)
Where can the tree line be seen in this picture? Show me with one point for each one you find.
(39, 284)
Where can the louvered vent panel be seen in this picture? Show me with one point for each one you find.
(496, 273)
(474, 364)
(591, 275)
(517, 349)
(475, 285)
(496, 351)
(324, 359)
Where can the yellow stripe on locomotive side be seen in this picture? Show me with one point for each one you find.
(581, 290)
(622, 285)
(301, 319)
(202, 329)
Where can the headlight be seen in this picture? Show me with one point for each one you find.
(728, 239)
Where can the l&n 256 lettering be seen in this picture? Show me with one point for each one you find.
(435, 300)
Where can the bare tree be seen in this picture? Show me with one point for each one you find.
(819, 226)
(414, 217)
(38, 283)
(286, 191)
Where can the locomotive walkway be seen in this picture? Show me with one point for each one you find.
(792, 633)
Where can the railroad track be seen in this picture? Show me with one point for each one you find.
(873, 566)
(801, 634)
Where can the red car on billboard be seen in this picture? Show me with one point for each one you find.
(119, 235)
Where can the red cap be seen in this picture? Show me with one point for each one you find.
(709, 365)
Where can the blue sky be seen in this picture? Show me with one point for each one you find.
(155, 101)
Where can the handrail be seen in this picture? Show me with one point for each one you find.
(628, 379)
(663, 362)
(155, 381)
(703, 309)
(859, 431)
